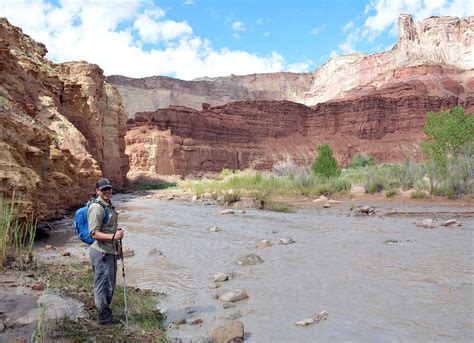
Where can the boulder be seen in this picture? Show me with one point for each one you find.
(249, 260)
(234, 296)
(230, 332)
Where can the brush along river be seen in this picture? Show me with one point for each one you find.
(379, 277)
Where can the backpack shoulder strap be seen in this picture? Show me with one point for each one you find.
(106, 216)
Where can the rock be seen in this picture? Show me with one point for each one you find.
(194, 198)
(220, 277)
(234, 296)
(327, 205)
(2, 327)
(366, 210)
(155, 252)
(231, 332)
(321, 316)
(227, 305)
(179, 321)
(263, 244)
(427, 223)
(49, 247)
(127, 252)
(286, 241)
(65, 253)
(322, 198)
(452, 222)
(249, 260)
(37, 286)
(197, 321)
(59, 307)
(228, 211)
(331, 201)
(214, 229)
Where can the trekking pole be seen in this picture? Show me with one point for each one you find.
(124, 285)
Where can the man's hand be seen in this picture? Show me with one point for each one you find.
(119, 234)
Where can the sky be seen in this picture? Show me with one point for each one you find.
(189, 39)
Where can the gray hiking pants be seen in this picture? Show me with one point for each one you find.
(105, 274)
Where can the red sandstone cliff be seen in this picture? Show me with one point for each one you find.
(386, 124)
(445, 41)
(61, 127)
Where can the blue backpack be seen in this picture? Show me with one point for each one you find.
(82, 225)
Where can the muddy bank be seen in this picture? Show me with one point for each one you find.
(378, 277)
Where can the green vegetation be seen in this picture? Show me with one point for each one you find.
(145, 320)
(151, 185)
(450, 149)
(418, 194)
(16, 234)
(389, 193)
(361, 160)
(325, 164)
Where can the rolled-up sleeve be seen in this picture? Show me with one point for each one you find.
(95, 215)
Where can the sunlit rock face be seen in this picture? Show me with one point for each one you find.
(61, 128)
(444, 41)
(375, 104)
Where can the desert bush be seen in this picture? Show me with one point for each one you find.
(405, 175)
(285, 168)
(375, 181)
(231, 196)
(325, 164)
(418, 194)
(361, 160)
(391, 192)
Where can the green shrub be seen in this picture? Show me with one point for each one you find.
(405, 175)
(375, 181)
(418, 194)
(361, 160)
(152, 185)
(391, 192)
(231, 196)
(325, 164)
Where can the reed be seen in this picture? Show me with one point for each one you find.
(17, 235)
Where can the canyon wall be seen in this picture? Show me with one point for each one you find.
(387, 123)
(61, 128)
(446, 41)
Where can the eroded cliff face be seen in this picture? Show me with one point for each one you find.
(386, 123)
(445, 41)
(61, 128)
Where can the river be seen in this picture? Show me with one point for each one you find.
(380, 278)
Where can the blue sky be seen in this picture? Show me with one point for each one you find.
(188, 39)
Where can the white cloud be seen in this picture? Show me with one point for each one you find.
(236, 36)
(382, 17)
(238, 26)
(300, 67)
(259, 21)
(347, 26)
(317, 30)
(132, 39)
(266, 34)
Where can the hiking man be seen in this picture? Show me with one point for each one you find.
(104, 251)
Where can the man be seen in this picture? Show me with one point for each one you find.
(103, 227)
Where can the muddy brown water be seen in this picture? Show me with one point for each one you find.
(380, 278)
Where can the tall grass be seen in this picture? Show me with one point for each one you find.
(17, 234)
(289, 179)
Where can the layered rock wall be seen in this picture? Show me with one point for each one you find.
(61, 128)
(447, 41)
(386, 124)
